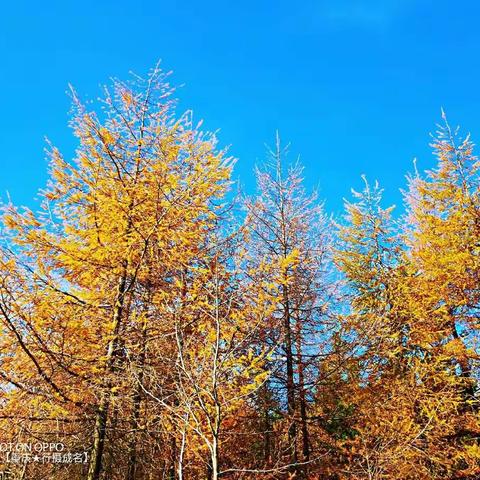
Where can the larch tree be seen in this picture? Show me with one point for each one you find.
(443, 239)
(369, 256)
(129, 209)
(289, 229)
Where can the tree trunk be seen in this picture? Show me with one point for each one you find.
(303, 415)
(181, 454)
(292, 429)
(465, 372)
(137, 401)
(214, 459)
(301, 395)
(266, 442)
(96, 456)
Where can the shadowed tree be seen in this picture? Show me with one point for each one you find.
(289, 229)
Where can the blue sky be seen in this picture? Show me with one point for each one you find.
(355, 86)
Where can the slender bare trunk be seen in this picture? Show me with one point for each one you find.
(101, 418)
(214, 458)
(303, 418)
(132, 457)
(266, 444)
(137, 401)
(302, 395)
(181, 453)
(292, 429)
(465, 371)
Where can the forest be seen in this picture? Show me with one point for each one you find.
(159, 324)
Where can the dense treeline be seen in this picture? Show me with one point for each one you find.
(171, 332)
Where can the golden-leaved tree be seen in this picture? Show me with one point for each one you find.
(369, 407)
(443, 240)
(123, 218)
(412, 407)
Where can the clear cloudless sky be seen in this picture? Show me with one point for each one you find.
(356, 86)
